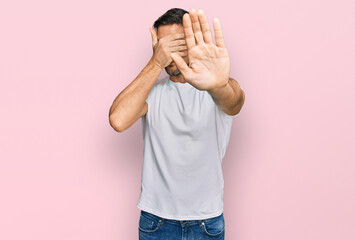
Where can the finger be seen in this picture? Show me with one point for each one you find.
(177, 43)
(182, 66)
(206, 31)
(154, 36)
(189, 34)
(181, 53)
(196, 26)
(218, 33)
(172, 37)
(178, 48)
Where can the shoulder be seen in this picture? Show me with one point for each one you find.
(218, 111)
(158, 85)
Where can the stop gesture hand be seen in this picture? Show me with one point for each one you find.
(209, 65)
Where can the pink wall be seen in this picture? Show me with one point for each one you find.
(65, 174)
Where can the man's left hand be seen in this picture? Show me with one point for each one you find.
(209, 65)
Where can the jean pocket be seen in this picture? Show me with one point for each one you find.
(148, 222)
(214, 226)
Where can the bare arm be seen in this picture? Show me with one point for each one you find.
(229, 98)
(130, 104)
(210, 68)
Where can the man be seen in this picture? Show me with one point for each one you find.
(187, 121)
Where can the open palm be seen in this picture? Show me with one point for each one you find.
(209, 65)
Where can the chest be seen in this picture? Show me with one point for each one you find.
(190, 112)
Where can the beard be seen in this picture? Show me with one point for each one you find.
(172, 70)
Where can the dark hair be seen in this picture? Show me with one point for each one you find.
(172, 16)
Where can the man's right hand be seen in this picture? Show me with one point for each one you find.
(162, 48)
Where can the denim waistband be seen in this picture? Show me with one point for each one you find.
(179, 222)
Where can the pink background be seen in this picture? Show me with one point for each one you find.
(65, 174)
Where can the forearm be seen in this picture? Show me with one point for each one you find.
(132, 99)
(229, 98)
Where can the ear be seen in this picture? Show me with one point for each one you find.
(154, 36)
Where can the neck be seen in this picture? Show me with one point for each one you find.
(178, 78)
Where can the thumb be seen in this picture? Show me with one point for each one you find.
(182, 66)
(154, 36)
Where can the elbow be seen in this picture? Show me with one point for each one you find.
(115, 123)
(240, 103)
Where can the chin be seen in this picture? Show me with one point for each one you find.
(173, 73)
(172, 70)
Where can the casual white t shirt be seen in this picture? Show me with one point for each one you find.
(185, 138)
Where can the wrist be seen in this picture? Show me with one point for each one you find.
(219, 90)
(154, 62)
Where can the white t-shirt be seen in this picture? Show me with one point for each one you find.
(185, 138)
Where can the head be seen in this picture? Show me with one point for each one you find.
(171, 23)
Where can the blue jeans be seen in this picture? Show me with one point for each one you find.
(151, 227)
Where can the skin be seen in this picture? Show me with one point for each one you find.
(209, 64)
(187, 54)
(172, 69)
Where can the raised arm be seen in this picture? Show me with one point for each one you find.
(209, 66)
(130, 104)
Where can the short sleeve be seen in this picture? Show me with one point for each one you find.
(151, 94)
(222, 114)
(224, 124)
(151, 99)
